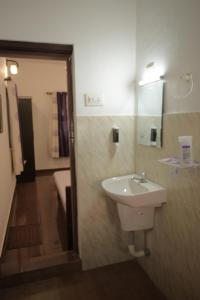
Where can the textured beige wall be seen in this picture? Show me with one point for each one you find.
(101, 239)
(167, 34)
(7, 178)
(174, 264)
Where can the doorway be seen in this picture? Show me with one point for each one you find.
(27, 139)
(37, 186)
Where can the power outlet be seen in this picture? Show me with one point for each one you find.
(94, 100)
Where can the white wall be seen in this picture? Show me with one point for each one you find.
(103, 34)
(168, 34)
(7, 178)
(35, 79)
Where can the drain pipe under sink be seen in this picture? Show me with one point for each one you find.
(132, 248)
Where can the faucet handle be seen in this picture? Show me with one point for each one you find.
(143, 175)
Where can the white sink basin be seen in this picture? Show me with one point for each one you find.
(131, 192)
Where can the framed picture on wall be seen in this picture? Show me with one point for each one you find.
(1, 115)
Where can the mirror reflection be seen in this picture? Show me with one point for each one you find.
(150, 114)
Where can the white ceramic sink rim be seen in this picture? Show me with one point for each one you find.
(127, 191)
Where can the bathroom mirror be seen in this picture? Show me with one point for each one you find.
(150, 114)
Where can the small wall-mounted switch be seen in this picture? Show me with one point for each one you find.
(115, 134)
(94, 100)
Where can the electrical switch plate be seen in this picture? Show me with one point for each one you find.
(93, 100)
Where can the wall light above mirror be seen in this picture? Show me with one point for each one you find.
(152, 73)
(147, 81)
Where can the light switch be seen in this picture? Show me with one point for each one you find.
(94, 100)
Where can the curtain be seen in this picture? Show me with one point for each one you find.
(60, 134)
(16, 147)
(63, 124)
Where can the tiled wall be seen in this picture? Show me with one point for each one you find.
(174, 264)
(101, 239)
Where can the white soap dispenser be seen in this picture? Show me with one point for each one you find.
(185, 145)
(115, 135)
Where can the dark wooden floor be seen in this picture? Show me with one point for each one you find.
(118, 282)
(36, 206)
(34, 237)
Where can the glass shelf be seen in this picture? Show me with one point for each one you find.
(176, 163)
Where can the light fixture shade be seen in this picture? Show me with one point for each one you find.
(150, 80)
(13, 69)
(152, 73)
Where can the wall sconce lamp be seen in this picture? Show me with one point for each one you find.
(12, 67)
(183, 83)
(156, 78)
(151, 74)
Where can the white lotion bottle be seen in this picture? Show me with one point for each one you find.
(185, 144)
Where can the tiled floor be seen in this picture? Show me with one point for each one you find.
(122, 281)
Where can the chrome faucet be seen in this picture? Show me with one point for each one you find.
(140, 178)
